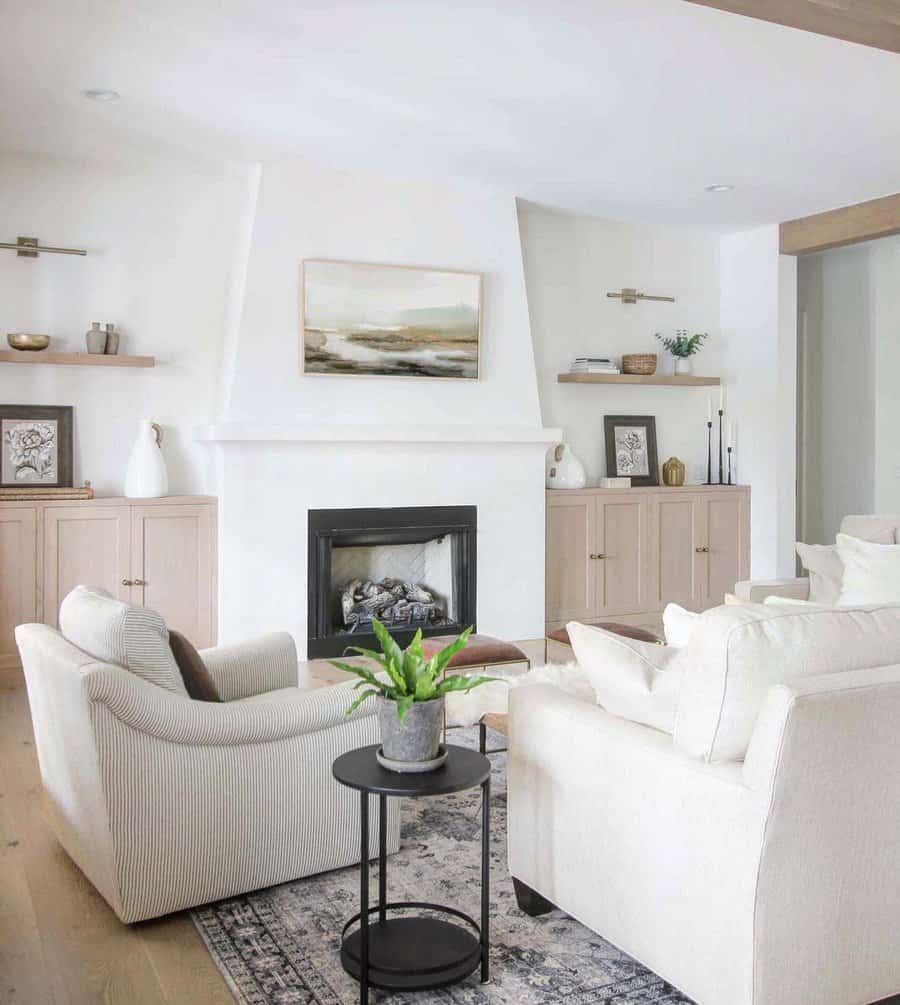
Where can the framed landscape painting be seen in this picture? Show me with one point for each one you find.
(361, 319)
(36, 444)
(631, 448)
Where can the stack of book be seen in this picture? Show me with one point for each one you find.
(593, 364)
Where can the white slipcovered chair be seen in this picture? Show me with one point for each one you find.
(877, 527)
(165, 802)
(753, 857)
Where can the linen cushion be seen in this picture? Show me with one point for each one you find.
(871, 572)
(115, 632)
(678, 623)
(824, 565)
(634, 680)
(880, 528)
(737, 653)
(197, 679)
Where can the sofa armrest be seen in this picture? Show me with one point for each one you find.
(156, 712)
(252, 666)
(755, 591)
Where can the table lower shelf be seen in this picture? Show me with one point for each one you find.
(414, 953)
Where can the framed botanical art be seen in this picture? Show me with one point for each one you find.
(361, 319)
(36, 443)
(631, 448)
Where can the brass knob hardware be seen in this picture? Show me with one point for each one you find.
(597, 555)
(701, 551)
(140, 582)
(127, 582)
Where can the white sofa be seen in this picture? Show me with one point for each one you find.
(877, 527)
(768, 880)
(165, 803)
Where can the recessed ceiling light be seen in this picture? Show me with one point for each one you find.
(101, 94)
(719, 188)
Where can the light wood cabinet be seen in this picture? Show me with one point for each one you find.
(158, 553)
(623, 554)
(18, 577)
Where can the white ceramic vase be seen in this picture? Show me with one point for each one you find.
(564, 470)
(683, 366)
(146, 477)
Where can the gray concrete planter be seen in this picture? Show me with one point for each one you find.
(415, 741)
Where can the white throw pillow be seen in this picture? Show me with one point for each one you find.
(112, 631)
(737, 653)
(825, 568)
(775, 601)
(871, 572)
(678, 623)
(634, 680)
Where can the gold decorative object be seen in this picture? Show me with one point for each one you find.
(25, 341)
(673, 472)
(641, 363)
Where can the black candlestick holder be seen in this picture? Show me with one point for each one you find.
(729, 464)
(709, 480)
(721, 478)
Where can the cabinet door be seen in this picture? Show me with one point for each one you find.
(677, 532)
(18, 579)
(173, 549)
(571, 538)
(727, 530)
(621, 564)
(84, 544)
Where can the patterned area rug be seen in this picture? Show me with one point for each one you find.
(280, 946)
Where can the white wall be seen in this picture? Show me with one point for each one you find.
(850, 311)
(306, 211)
(758, 313)
(571, 262)
(160, 238)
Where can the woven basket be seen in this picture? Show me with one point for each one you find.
(643, 363)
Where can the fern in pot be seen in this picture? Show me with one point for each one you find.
(682, 346)
(410, 695)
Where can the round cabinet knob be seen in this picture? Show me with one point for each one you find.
(140, 582)
(127, 582)
(598, 556)
(701, 551)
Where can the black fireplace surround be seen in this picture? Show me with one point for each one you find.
(335, 528)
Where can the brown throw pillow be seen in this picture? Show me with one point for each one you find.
(197, 679)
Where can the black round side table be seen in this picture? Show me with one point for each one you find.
(421, 951)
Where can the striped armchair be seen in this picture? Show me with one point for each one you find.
(164, 802)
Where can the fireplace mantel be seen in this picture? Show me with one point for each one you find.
(249, 432)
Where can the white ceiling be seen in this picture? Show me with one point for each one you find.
(623, 108)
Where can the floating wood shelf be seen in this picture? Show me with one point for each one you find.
(674, 380)
(73, 358)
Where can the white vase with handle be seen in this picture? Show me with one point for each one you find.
(564, 469)
(146, 477)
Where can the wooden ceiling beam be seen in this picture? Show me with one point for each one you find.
(848, 225)
(875, 23)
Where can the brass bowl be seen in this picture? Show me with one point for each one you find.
(27, 342)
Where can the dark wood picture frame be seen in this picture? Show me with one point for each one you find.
(62, 416)
(610, 424)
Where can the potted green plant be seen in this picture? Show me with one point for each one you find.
(683, 346)
(410, 695)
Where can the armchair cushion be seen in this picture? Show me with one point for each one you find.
(197, 679)
(112, 631)
(737, 652)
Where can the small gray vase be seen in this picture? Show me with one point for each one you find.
(418, 738)
(96, 340)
